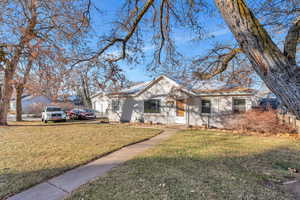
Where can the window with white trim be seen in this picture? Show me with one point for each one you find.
(115, 105)
(152, 106)
(205, 106)
(239, 105)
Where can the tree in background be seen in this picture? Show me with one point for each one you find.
(26, 23)
(21, 78)
(91, 78)
(84, 87)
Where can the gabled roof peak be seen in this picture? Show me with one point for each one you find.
(202, 88)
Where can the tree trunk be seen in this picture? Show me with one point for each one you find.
(19, 93)
(8, 86)
(85, 92)
(11, 65)
(7, 91)
(281, 77)
(86, 98)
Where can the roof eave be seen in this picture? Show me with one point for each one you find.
(227, 94)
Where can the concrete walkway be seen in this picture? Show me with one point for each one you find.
(61, 186)
(293, 187)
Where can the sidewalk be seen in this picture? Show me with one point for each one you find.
(61, 186)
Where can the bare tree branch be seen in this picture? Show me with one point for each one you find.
(162, 34)
(124, 40)
(224, 61)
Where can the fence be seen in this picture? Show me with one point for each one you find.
(290, 120)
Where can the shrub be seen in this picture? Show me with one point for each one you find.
(263, 121)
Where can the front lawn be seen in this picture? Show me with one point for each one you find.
(202, 165)
(31, 152)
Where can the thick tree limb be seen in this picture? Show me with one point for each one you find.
(224, 61)
(252, 37)
(291, 41)
(273, 67)
(124, 40)
(162, 28)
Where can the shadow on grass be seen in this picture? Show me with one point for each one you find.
(178, 174)
(14, 182)
(68, 123)
(255, 176)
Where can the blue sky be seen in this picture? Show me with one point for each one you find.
(213, 26)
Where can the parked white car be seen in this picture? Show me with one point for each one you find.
(53, 113)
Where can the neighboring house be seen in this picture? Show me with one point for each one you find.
(29, 101)
(266, 99)
(162, 100)
(75, 100)
(72, 99)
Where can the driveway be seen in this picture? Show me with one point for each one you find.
(25, 117)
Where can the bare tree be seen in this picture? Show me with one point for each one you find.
(20, 82)
(26, 23)
(85, 88)
(50, 76)
(87, 79)
(276, 67)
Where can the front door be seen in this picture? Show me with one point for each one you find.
(180, 112)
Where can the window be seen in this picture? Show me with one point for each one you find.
(115, 105)
(205, 106)
(239, 105)
(53, 109)
(152, 106)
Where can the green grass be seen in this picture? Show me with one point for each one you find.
(31, 152)
(202, 165)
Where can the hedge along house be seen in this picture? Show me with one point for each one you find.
(164, 101)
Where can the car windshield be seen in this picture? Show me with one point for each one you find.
(88, 110)
(52, 109)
